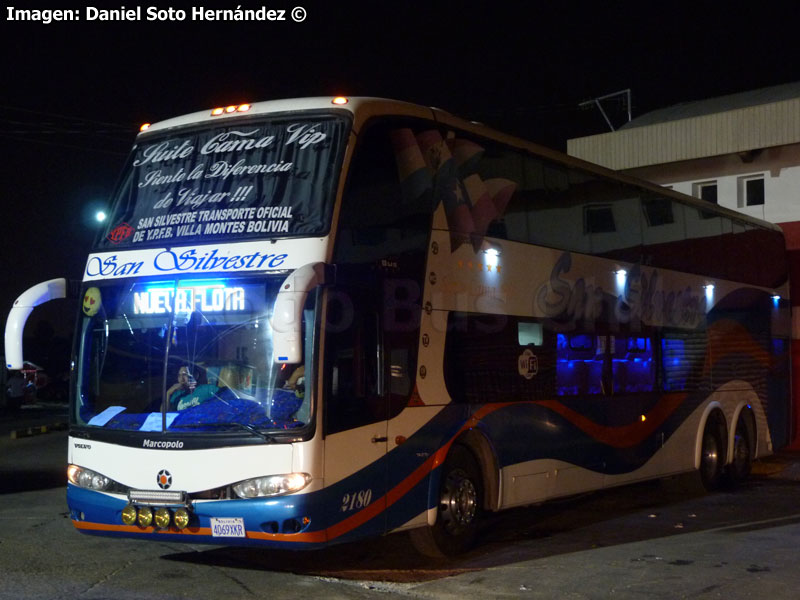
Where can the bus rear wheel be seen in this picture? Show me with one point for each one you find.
(712, 456)
(459, 508)
(742, 461)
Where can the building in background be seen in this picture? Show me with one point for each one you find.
(740, 151)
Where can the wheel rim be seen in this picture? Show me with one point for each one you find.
(459, 501)
(741, 453)
(710, 461)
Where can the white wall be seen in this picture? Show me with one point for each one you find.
(779, 166)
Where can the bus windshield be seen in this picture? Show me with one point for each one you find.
(257, 178)
(185, 356)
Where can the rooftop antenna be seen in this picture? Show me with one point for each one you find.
(597, 102)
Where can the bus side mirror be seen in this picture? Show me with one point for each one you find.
(21, 310)
(287, 317)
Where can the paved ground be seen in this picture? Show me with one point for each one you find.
(32, 419)
(652, 540)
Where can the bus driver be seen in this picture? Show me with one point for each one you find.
(184, 386)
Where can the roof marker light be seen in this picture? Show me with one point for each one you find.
(340, 100)
(145, 126)
(233, 108)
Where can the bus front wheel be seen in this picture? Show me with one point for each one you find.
(459, 508)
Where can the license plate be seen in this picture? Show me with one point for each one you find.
(230, 527)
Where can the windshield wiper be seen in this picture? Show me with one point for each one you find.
(266, 437)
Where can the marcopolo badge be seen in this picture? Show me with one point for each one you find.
(164, 479)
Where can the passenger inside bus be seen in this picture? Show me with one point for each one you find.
(296, 381)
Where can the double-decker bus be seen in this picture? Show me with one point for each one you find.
(312, 321)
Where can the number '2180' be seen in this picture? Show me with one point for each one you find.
(356, 500)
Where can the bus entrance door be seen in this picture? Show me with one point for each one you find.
(355, 415)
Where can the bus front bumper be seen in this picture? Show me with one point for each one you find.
(279, 522)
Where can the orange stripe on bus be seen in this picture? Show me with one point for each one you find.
(312, 536)
(625, 436)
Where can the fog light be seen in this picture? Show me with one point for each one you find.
(129, 514)
(145, 516)
(181, 518)
(162, 518)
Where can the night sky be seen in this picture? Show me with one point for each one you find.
(73, 94)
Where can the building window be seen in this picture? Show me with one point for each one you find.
(751, 191)
(706, 191)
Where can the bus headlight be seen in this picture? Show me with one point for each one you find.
(86, 478)
(273, 485)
